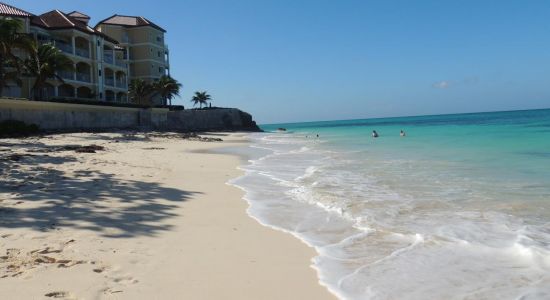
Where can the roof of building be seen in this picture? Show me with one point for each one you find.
(56, 19)
(79, 15)
(129, 21)
(8, 10)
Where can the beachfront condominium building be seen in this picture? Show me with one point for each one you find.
(106, 57)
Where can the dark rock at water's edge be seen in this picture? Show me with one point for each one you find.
(248, 123)
(281, 129)
(211, 119)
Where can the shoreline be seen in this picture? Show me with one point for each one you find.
(137, 238)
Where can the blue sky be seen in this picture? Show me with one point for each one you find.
(290, 60)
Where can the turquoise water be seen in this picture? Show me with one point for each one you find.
(457, 209)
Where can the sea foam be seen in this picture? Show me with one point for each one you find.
(401, 227)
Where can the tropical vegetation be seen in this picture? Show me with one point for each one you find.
(20, 56)
(141, 92)
(44, 63)
(201, 98)
(167, 88)
(12, 41)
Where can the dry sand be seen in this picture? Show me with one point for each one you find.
(147, 218)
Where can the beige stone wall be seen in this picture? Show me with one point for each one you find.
(145, 34)
(115, 32)
(140, 69)
(147, 68)
(141, 52)
(65, 116)
(147, 52)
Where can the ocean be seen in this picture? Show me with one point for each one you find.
(459, 208)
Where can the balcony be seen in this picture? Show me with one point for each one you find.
(45, 42)
(82, 52)
(120, 63)
(121, 84)
(83, 77)
(65, 47)
(66, 75)
(108, 58)
(109, 81)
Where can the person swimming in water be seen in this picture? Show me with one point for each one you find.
(402, 133)
(374, 134)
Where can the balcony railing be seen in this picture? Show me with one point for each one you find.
(121, 84)
(120, 63)
(66, 75)
(82, 52)
(45, 42)
(109, 81)
(67, 48)
(108, 58)
(84, 77)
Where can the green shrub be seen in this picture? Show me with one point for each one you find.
(13, 128)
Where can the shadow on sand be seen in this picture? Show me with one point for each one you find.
(42, 198)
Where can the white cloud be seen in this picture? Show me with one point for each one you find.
(442, 84)
(445, 84)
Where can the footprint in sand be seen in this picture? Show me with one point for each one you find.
(47, 250)
(126, 280)
(100, 269)
(67, 263)
(60, 294)
(111, 291)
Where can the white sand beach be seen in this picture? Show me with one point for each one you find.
(146, 218)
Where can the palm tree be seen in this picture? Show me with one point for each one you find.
(201, 98)
(140, 92)
(168, 88)
(10, 40)
(44, 63)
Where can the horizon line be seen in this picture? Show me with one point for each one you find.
(408, 116)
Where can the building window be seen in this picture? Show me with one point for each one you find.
(99, 73)
(160, 70)
(159, 39)
(159, 54)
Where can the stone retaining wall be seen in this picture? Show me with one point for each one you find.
(68, 116)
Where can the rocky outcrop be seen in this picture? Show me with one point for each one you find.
(231, 119)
